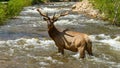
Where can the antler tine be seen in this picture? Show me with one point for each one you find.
(54, 15)
(63, 14)
(45, 15)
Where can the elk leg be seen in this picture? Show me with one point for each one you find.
(61, 50)
(89, 50)
(82, 52)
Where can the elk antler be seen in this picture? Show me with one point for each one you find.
(63, 14)
(55, 17)
(43, 14)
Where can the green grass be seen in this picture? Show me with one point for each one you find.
(111, 9)
(15, 6)
(2, 13)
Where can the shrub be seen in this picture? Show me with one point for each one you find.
(15, 6)
(2, 13)
(111, 9)
(11, 9)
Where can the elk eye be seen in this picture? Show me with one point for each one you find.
(56, 19)
(45, 19)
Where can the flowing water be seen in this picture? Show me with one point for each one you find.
(24, 42)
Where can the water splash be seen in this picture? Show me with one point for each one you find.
(107, 39)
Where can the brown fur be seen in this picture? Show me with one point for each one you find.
(70, 40)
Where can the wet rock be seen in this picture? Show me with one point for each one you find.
(85, 7)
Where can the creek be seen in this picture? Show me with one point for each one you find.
(24, 41)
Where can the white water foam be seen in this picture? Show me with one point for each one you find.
(50, 10)
(23, 42)
(114, 42)
(65, 22)
(44, 63)
(103, 61)
(76, 55)
(72, 16)
(53, 60)
(30, 10)
(28, 17)
(92, 21)
(95, 21)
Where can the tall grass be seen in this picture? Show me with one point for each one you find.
(2, 13)
(111, 9)
(12, 9)
(15, 6)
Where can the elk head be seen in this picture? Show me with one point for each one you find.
(51, 20)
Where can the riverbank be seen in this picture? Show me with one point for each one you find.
(9, 9)
(87, 8)
(105, 10)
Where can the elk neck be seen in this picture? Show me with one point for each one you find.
(53, 32)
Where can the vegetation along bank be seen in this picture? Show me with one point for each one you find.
(11, 8)
(103, 9)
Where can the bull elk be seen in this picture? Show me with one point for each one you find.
(70, 40)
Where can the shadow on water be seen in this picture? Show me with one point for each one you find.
(24, 42)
